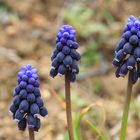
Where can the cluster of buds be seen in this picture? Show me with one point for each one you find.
(27, 102)
(65, 56)
(127, 51)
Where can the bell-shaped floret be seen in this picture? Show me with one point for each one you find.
(137, 54)
(123, 70)
(134, 75)
(120, 45)
(117, 72)
(120, 56)
(43, 111)
(131, 61)
(16, 100)
(55, 63)
(53, 72)
(75, 68)
(13, 108)
(18, 116)
(37, 125)
(31, 121)
(22, 124)
(61, 69)
(75, 54)
(34, 109)
(68, 61)
(72, 77)
(115, 63)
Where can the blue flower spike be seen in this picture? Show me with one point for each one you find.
(64, 62)
(65, 54)
(27, 102)
(127, 51)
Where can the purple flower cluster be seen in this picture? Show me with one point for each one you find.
(65, 56)
(127, 51)
(27, 102)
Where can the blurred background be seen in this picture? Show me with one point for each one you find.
(28, 29)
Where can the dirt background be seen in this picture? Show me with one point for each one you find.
(28, 37)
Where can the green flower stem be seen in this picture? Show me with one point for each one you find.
(68, 106)
(126, 108)
(31, 134)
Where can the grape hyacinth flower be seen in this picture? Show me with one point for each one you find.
(27, 102)
(127, 59)
(65, 56)
(64, 62)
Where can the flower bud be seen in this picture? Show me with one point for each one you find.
(134, 30)
(30, 88)
(23, 94)
(24, 106)
(43, 111)
(13, 108)
(37, 92)
(127, 34)
(127, 48)
(133, 39)
(31, 81)
(66, 50)
(23, 84)
(31, 98)
(60, 56)
(25, 77)
(39, 102)
(59, 46)
(16, 100)
(17, 89)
